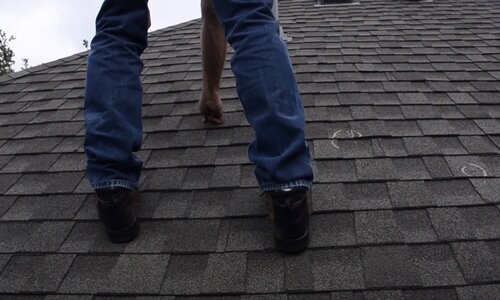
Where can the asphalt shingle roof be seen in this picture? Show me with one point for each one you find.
(402, 102)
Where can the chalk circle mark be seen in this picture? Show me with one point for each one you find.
(350, 133)
(471, 168)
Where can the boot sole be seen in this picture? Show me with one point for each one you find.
(292, 245)
(125, 235)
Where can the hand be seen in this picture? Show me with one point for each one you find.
(211, 109)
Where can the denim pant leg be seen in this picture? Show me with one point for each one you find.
(269, 94)
(113, 96)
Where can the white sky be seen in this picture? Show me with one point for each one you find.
(47, 30)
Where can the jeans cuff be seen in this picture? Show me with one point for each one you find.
(286, 185)
(114, 184)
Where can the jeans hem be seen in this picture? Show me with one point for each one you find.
(286, 185)
(114, 184)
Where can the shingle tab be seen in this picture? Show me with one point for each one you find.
(184, 274)
(479, 261)
(34, 273)
(377, 227)
(220, 268)
(389, 266)
(249, 234)
(40, 183)
(115, 274)
(415, 226)
(265, 273)
(45, 207)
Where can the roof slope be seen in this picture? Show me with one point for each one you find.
(403, 115)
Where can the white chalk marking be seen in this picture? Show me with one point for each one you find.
(334, 143)
(464, 170)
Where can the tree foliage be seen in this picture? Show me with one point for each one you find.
(6, 54)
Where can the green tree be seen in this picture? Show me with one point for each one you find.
(6, 54)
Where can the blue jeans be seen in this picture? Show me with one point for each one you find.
(264, 80)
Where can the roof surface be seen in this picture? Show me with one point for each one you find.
(402, 101)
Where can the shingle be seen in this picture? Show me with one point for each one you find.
(437, 265)
(462, 98)
(489, 126)
(453, 192)
(184, 274)
(219, 137)
(336, 171)
(45, 207)
(32, 146)
(173, 205)
(376, 227)
(7, 180)
(69, 144)
(437, 127)
(220, 268)
(468, 166)
(30, 163)
(437, 167)
(164, 179)
(415, 226)
(429, 294)
(51, 129)
(375, 169)
(421, 146)
(367, 196)
(332, 230)
(210, 204)
(402, 128)
(115, 274)
(488, 188)
(34, 273)
(225, 176)
(478, 292)
(327, 197)
(298, 273)
(33, 237)
(341, 148)
(5, 203)
(389, 266)
(231, 155)
(247, 178)
(412, 98)
(40, 183)
(191, 236)
(449, 145)
(246, 202)
(484, 221)
(479, 261)
(165, 158)
(409, 168)
(89, 237)
(197, 178)
(70, 162)
(265, 273)
(392, 147)
(339, 269)
(249, 234)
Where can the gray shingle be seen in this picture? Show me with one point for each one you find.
(7, 180)
(40, 273)
(449, 145)
(479, 261)
(489, 126)
(332, 230)
(437, 265)
(375, 169)
(164, 179)
(488, 188)
(478, 292)
(115, 274)
(327, 197)
(30, 163)
(421, 146)
(184, 274)
(409, 168)
(340, 148)
(225, 176)
(45, 207)
(415, 226)
(265, 273)
(70, 162)
(452, 192)
(220, 268)
(89, 237)
(298, 273)
(173, 205)
(210, 204)
(231, 155)
(41, 183)
(33, 237)
(367, 196)
(437, 167)
(377, 227)
(393, 147)
(190, 236)
(336, 171)
(197, 178)
(389, 266)
(468, 166)
(249, 234)
(434, 294)
(5, 203)
(246, 202)
(339, 269)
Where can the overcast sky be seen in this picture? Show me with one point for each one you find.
(47, 30)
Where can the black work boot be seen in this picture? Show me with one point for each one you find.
(290, 212)
(117, 210)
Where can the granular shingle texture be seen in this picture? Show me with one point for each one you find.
(402, 105)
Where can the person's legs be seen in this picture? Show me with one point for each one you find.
(113, 96)
(269, 93)
(213, 50)
(113, 119)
